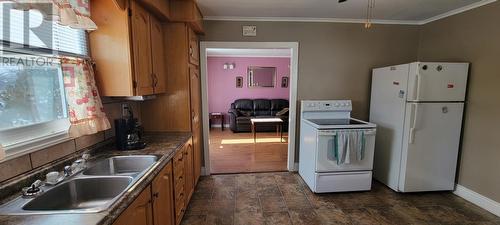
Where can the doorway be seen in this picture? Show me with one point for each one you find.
(243, 82)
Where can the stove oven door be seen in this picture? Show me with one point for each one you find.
(326, 161)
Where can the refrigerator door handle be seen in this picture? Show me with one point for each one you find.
(416, 91)
(414, 122)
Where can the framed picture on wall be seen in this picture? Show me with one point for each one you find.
(284, 82)
(239, 82)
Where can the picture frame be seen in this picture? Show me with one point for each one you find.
(284, 82)
(239, 82)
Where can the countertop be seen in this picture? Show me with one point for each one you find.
(163, 145)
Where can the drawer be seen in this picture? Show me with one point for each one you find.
(346, 181)
(179, 184)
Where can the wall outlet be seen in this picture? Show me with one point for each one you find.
(125, 110)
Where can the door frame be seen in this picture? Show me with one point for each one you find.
(292, 128)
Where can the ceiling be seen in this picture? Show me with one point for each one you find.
(227, 52)
(385, 11)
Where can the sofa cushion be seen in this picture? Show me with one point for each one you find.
(262, 107)
(243, 120)
(244, 113)
(244, 106)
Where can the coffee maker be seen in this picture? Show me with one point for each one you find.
(128, 131)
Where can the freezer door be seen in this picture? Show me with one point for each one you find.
(430, 146)
(387, 110)
(437, 82)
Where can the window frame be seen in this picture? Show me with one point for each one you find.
(58, 129)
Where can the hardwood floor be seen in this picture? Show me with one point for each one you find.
(237, 153)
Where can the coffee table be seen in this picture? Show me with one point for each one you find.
(270, 121)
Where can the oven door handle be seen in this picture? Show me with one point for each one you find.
(332, 134)
(326, 133)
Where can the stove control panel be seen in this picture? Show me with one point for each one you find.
(327, 106)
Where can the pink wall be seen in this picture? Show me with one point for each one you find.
(222, 89)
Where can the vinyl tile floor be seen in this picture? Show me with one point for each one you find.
(283, 198)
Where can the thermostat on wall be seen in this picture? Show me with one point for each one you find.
(249, 31)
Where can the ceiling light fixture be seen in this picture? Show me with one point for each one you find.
(369, 13)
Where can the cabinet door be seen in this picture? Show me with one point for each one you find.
(158, 57)
(139, 212)
(194, 49)
(195, 94)
(163, 194)
(197, 152)
(188, 170)
(141, 46)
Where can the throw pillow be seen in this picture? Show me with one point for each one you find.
(282, 112)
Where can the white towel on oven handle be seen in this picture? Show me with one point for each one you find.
(350, 146)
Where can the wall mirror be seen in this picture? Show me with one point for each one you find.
(264, 77)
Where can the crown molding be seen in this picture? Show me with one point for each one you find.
(305, 19)
(341, 20)
(457, 11)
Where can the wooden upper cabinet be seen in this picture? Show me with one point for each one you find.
(194, 48)
(128, 49)
(141, 43)
(140, 212)
(187, 11)
(163, 197)
(160, 8)
(158, 57)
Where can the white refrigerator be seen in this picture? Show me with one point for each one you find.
(418, 109)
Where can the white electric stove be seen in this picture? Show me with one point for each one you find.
(321, 123)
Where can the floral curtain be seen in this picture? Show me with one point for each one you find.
(85, 108)
(73, 13)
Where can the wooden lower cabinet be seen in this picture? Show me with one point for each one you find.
(163, 198)
(164, 202)
(189, 171)
(179, 185)
(140, 212)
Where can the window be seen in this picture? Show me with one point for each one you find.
(32, 101)
(28, 29)
(32, 98)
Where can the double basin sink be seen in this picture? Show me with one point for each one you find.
(91, 191)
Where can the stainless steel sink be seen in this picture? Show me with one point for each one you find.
(121, 165)
(90, 194)
(91, 191)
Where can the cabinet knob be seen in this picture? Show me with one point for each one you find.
(165, 177)
(156, 195)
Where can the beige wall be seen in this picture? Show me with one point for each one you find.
(335, 59)
(474, 36)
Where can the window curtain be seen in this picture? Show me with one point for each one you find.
(85, 109)
(73, 13)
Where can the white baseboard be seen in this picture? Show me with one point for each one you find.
(478, 199)
(203, 171)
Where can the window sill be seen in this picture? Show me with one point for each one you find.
(12, 152)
